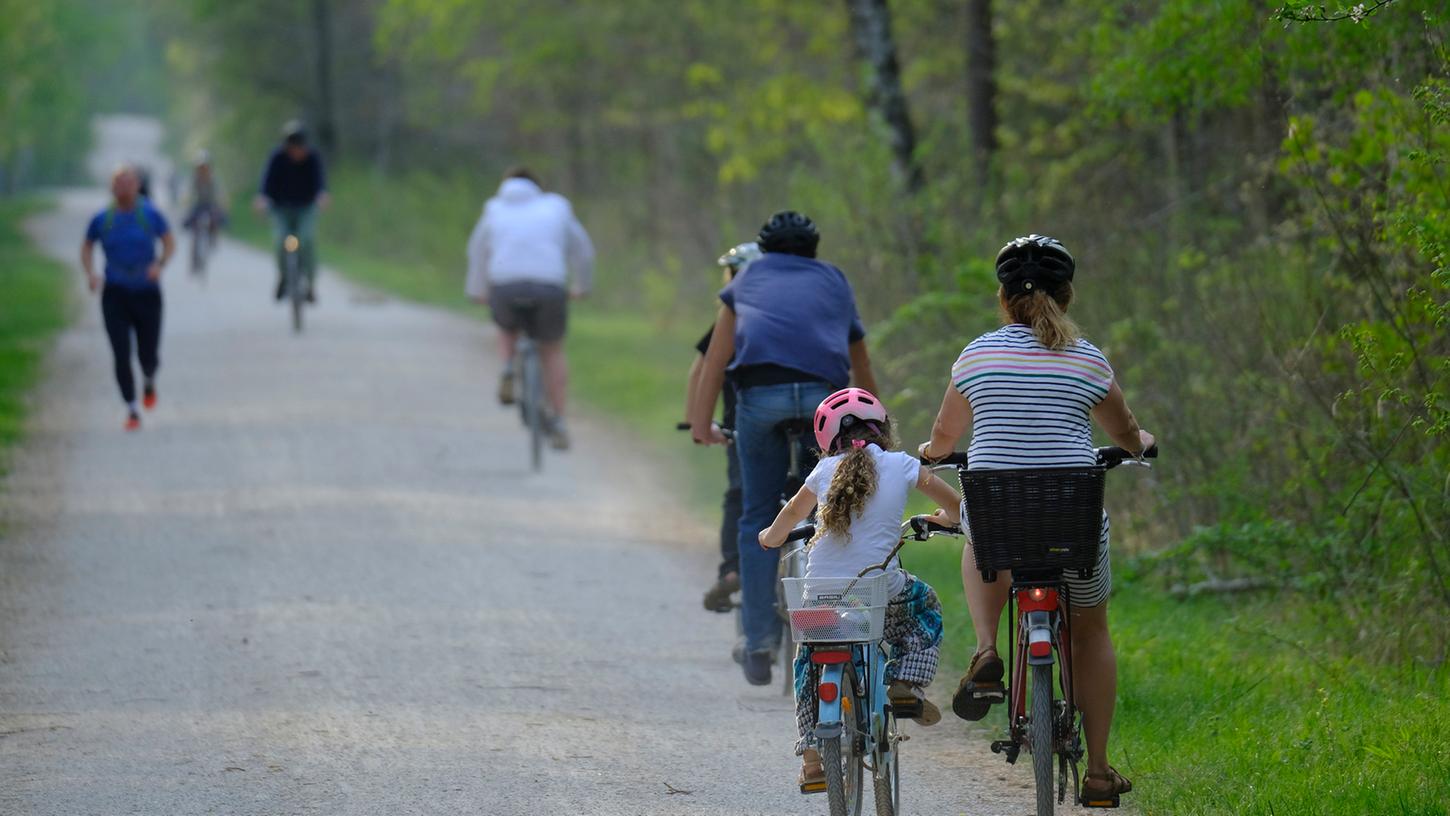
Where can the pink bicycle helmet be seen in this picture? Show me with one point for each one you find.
(857, 403)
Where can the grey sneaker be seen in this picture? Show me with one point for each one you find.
(757, 667)
(506, 388)
(558, 435)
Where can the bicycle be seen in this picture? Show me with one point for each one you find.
(1040, 523)
(294, 279)
(202, 238)
(841, 622)
(529, 371)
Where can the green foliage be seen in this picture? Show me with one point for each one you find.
(32, 309)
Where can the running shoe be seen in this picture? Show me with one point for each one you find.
(133, 421)
(148, 397)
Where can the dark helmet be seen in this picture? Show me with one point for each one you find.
(1034, 261)
(791, 233)
(294, 132)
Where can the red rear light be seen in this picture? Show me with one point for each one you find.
(1037, 593)
(828, 692)
(1040, 649)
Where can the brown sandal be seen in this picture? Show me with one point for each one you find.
(980, 687)
(1103, 790)
(909, 702)
(813, 773)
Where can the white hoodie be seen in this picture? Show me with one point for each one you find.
(526, 234)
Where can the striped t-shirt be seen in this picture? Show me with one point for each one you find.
(1031, 406)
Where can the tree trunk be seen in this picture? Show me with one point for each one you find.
(871, 28)
(981, 87)
(322, 32)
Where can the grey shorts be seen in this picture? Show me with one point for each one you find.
(539, 310)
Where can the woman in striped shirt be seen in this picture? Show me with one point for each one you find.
(1030, 391)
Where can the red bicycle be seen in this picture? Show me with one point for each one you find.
(1040, 524)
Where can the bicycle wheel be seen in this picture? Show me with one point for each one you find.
(887, 782)
(294, 290)
(789, 568)
(533, 407)
(841, 754)
(1040, 728)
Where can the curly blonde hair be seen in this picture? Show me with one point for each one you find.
(854, 481)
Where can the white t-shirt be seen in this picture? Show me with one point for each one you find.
(876, 530)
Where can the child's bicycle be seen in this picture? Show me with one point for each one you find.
(840, 622)
(1040, 523)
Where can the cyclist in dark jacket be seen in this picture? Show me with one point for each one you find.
(293, 188)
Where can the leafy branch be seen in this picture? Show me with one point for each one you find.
(1305, 13)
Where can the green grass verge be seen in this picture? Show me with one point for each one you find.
(32, 308)
(1225, 707)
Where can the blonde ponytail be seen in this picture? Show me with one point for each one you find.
(1045, 313)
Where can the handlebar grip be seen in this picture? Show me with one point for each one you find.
(801, 533)
(958, 458)
(683, 426)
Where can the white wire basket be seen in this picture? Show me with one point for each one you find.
(836, 610)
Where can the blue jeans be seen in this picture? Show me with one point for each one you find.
(764, 462)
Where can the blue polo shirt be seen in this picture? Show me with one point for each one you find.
(797, 313)
(130, 246)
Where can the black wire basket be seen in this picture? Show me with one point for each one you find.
(1034, 520)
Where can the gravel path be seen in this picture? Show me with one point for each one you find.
(321, 580)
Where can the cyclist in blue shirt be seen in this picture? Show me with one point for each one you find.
(790, 324)
(128, 231)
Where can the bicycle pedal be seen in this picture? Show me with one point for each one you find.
(994, 692)
(1100, 801)
(813, 787)
(906, 708)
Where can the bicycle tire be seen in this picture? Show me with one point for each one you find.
(294, 290)
(1040, 728)
(888, 785)
(789, 568)
(839, 755)
(533, 407)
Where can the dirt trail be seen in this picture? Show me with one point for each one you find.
(322, 580)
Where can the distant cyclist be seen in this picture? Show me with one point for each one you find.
(727, 582)
(529, 250)
(128, 231)
(203, 196)
(790, 335)
(293, 189)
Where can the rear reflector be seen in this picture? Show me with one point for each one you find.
(828, 692)
(829, 658)
(1040, 649)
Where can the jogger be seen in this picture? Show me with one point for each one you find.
(127, 231)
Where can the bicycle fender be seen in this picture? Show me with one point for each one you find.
(1039, 631)
(828, 714)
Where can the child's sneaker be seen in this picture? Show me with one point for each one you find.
(908, 701)
(813, 772)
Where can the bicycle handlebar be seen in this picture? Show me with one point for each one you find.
(728, 433)
(1109, 457)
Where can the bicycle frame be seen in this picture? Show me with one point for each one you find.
(1040, 629)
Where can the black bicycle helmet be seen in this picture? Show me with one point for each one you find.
(791, 233)
(1034, 261)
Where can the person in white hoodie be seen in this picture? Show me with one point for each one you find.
(529, 248)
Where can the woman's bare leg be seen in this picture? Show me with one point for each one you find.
(984, 600)
(1095, 680)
